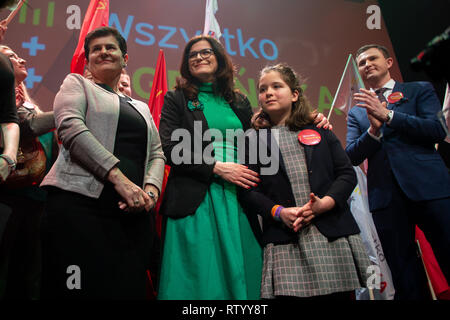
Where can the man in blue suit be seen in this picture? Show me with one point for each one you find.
(394, 126)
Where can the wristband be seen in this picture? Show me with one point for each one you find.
(276, 210)
(389, 116)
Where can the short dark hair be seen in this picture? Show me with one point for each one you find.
(7, 3)
(366, 47)
(224, 83)
(104, 32)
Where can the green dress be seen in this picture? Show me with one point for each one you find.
(213, 254)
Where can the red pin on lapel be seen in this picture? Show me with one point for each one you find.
(395, 97)
(309, 137)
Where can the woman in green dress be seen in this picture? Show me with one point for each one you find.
(209, 248)
(210, 251)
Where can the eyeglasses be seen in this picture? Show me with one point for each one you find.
(204, 53)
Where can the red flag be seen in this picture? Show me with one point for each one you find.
(437, 278)
(97, 15)
(155, 103)
(159, 89)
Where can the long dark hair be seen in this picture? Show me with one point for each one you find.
(301, 113)
(224, 78)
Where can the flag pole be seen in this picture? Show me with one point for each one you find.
(14, 12)
(430, 286)
(446, 113)
(211, 26)
(339, 87)
(371, 295)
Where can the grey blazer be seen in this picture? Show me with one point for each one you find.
(86, 117)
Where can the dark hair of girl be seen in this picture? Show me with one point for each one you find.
(302, 113)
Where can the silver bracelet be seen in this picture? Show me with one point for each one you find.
(151, 195)
(9, 161)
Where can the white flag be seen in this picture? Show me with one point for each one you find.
(444, 115)
(359, 205)
(350, 83)
(212, 27)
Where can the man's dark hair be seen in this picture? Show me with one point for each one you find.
(7, 3)
(104, 32)
(383, 50)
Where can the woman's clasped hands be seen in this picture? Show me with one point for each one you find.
(134, 199)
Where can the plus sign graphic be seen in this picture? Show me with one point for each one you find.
(33, 45)
(32, 78)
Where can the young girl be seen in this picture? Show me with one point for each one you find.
(312, 243)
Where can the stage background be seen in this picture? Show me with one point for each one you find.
(315, 37)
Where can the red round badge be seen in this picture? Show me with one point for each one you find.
(395, 96)
(309, 137)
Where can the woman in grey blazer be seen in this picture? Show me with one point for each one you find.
(98, 237)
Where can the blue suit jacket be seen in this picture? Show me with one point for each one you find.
(406, 147)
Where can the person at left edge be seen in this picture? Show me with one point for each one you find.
(9, 121)
(19, 247)
(106, 178)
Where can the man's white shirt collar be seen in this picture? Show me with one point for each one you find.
(389, 85)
